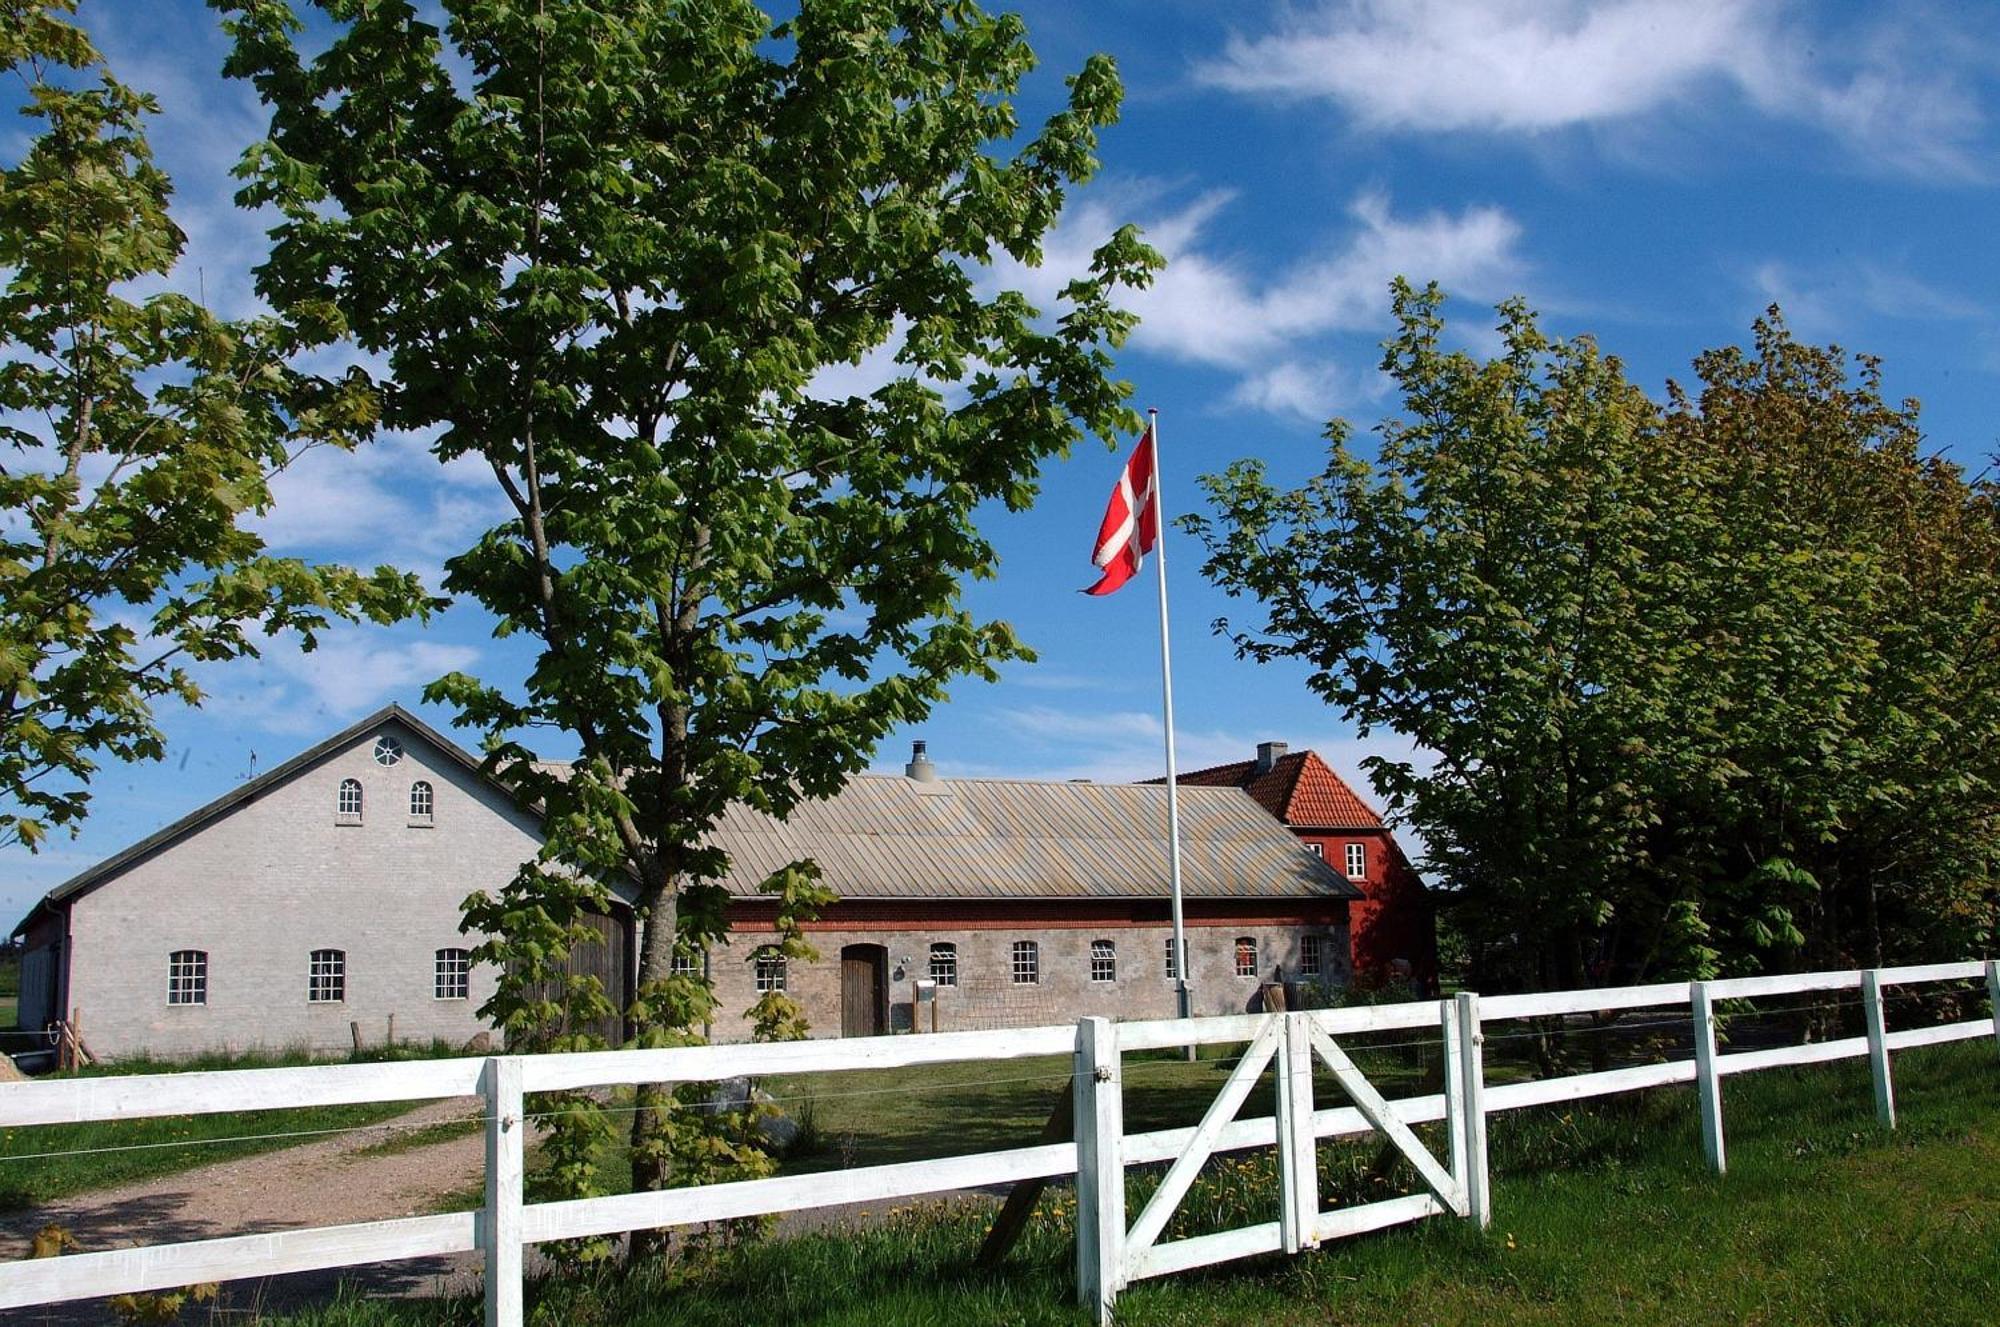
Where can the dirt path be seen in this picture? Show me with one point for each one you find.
(333, 1181)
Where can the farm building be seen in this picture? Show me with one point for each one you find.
(1393, 927)
(325, 894)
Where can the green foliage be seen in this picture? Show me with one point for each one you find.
(1708, 685)
(142, 434)
(612, 250)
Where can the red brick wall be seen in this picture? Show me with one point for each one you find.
(1394, 922)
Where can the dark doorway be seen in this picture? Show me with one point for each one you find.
(864, 990)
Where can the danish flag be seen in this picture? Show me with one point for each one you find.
(1131, 522)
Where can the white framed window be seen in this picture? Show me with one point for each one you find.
(944, 963)
(422, 800)
(1312, 956)
(687, 962)
(326, 977)
(1173, 961)
(1357, 861)
(187, 976)
(1246, 955)
(387, 751)
(347, 803)
(1103, 960)
(454, 975)
(1318, 849)
(770, 971)
(1027, 965)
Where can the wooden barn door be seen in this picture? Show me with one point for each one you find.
(864, 991)
(609, 959)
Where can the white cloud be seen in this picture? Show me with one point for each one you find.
(355, 669)
(1891, 91)
(1260, 320)
(387, 501)
(1826, 301)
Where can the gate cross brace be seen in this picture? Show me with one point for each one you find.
(1160, 1208)
(1379, 1113)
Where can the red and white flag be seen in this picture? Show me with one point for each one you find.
(1131, 522)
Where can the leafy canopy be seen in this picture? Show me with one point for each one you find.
(139, 435)
(626, 252)
(1708, 684)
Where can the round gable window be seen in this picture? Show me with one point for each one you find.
(387, 751)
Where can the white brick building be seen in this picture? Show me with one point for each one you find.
(327, 892)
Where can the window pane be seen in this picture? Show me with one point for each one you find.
(349, 803)
(326, 979)
(770, 971)
(1173, 964)
(687, 962)
(420, 801)
(1357, 861)
(944, 964)
(1027, 963)
(1310, 955)
(187, 976)
(1246, 956)
(1103, 960)
(454, 974)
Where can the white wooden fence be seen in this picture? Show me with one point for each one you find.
(1110, 1254)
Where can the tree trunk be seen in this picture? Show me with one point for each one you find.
(652, 1166)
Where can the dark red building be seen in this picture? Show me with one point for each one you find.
(1392, 928)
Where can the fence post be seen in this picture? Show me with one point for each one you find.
(1100, 1168)
(1298, 1150)
(1993, 991)
(1471, 1071)
(1878, 1048)
(1708, 1083)
(500, 1219)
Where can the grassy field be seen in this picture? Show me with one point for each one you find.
(1604, 1214)
(53, 1160)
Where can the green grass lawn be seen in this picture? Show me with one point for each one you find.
(1604, 1213)
(50, 1161)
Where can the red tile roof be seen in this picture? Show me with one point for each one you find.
(1299, 789)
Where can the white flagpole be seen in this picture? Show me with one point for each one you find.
(1184, 995)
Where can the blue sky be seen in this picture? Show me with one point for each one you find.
(1653, 172)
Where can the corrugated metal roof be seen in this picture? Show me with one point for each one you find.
(885, 836)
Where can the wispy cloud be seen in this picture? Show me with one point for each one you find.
(1828, 300)
(354, 669)
(1266, 321)
(1889, 89)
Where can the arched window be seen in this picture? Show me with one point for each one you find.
(1103, 960)
(770, 971)
(326, 978)
(347, 808)
(1027, 963)
(454, 975)
(1246, 955)
(187, 976)
(420, 801)
(944, 963)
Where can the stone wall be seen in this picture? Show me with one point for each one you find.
(987, 995)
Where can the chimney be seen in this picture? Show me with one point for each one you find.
(920, 767)
(1269, 754)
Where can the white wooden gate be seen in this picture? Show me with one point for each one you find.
(1111, 1257)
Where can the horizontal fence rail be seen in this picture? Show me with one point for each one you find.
(1294, 1044)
